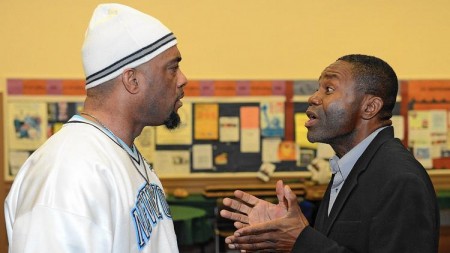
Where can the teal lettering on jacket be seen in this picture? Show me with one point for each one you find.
(150, 207)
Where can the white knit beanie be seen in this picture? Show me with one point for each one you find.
(120, 37)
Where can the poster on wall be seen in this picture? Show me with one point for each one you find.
(206, 122)
(27, 123)
(427, 122)
(172, 162)
(250, 131)
(182, 135)
(145, 143)
(272, 119)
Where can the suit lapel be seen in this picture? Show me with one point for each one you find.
(352, 180)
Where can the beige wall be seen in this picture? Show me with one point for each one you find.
(240, 39)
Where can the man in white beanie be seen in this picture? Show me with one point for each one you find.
(88, 189)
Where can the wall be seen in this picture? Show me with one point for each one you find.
(234, 39)
(252, 39)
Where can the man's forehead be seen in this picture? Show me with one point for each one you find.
(168, 56)
(336, 70)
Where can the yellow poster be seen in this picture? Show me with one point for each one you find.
(301, 132)
(206, 123)
(182, 135)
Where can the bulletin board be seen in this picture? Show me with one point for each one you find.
(34, 110)
(227, 155)
(230, 126)
(426, 106)
(44, 105)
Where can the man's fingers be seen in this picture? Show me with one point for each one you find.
(239, 224)
(293, 201)
(280, 192)
(227, 201)
(237, 205)
(294, 207)
(250, 243)
(256, 230)
(234, 216)
(246, 198)
(253, 247)
(290, 196)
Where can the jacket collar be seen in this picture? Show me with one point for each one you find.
(325, 222)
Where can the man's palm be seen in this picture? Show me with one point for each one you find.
(265, 211)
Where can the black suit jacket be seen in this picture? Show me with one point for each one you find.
(387, 204)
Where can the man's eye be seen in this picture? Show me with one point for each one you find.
(174, 68)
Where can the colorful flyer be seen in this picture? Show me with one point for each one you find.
(206, 123)
(250, 132)
(272, 119)
(27, 125)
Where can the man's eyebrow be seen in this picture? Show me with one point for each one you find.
(176, 59)
(173, 61)
(329, 76)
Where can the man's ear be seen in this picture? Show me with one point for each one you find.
(129, 80)
(371, 106)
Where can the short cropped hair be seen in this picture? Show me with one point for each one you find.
(376, 77)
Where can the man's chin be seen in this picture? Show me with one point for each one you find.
(173, 121)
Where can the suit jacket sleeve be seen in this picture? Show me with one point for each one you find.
(401, 223)
(311, 240)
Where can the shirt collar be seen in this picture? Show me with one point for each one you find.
(131, 151)
(346, 163)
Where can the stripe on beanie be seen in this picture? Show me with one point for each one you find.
(131, 58)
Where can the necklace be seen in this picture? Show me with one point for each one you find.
(140, 157)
